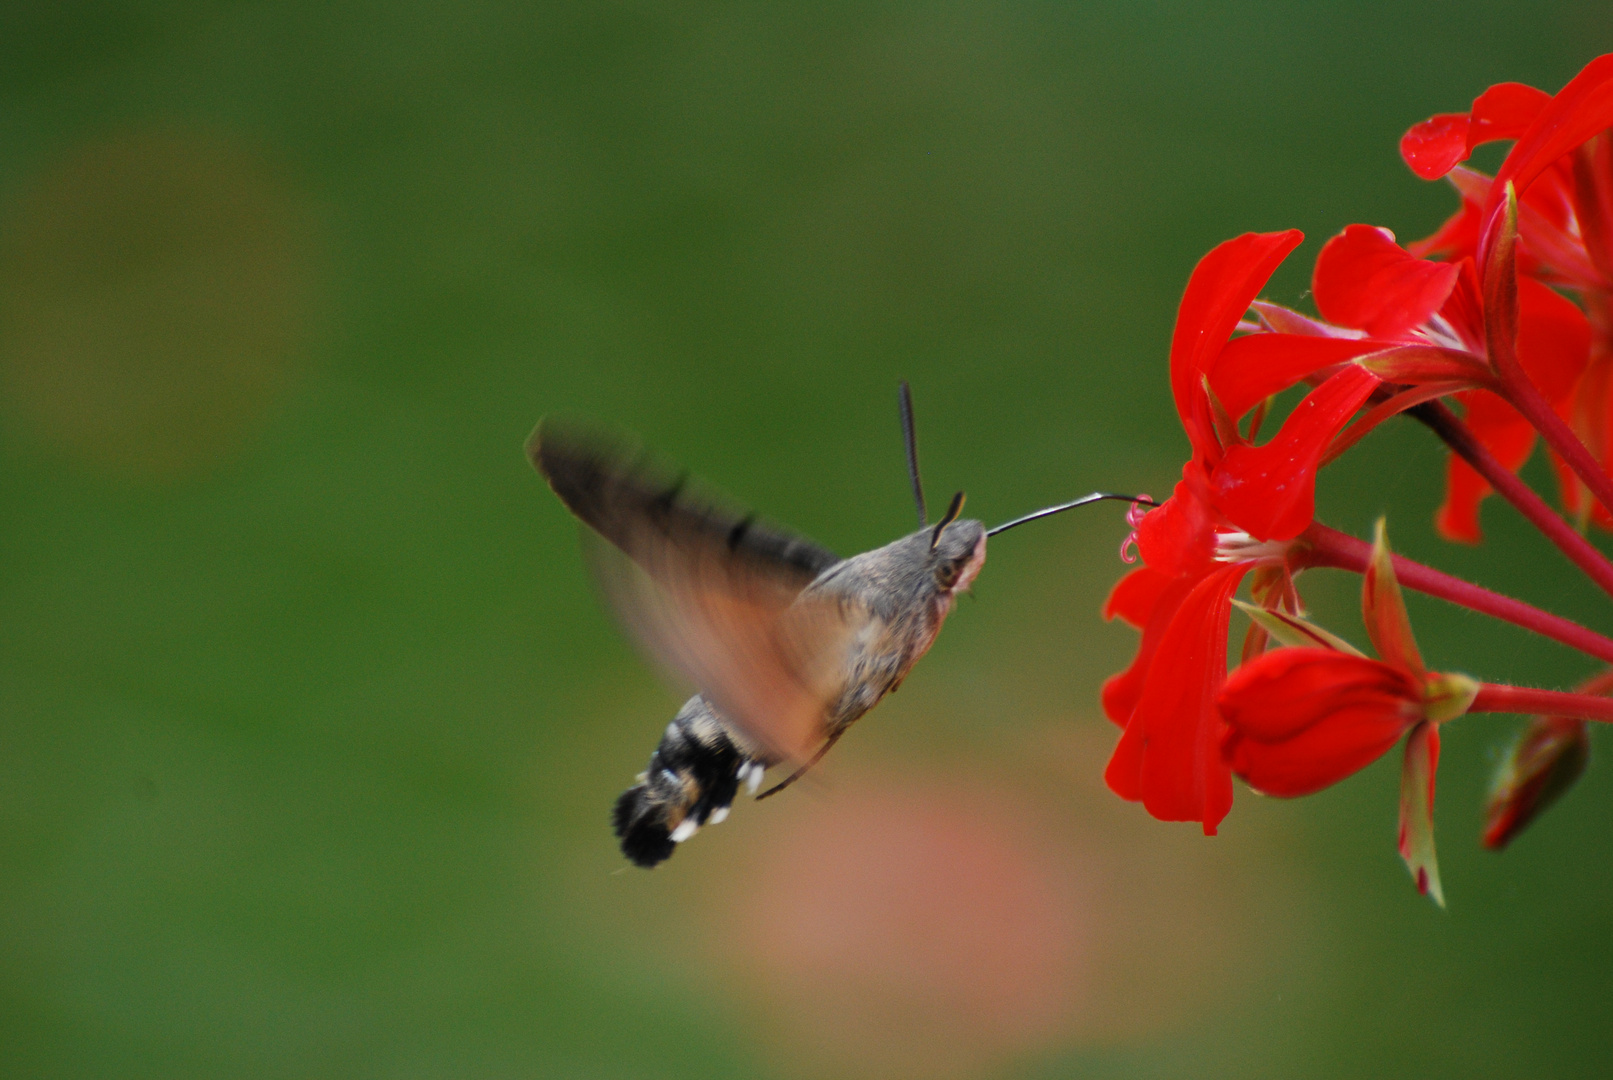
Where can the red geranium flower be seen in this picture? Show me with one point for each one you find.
(1509, 309)
(1235, 508)
(1300, 719)
(1435, 312)
(1561, 169)
(1565, 223)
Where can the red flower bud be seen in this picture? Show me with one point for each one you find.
(1299, 720)
(1544, 763)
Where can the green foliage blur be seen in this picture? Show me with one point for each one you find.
(310, 722)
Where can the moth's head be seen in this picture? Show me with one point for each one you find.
(957, 549)
(957, 553)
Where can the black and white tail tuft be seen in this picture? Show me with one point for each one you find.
(692, 779)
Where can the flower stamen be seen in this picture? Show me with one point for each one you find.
(1237, 546)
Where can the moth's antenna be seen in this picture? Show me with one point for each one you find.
(905, 400)
(1096, 496)
(946, 519)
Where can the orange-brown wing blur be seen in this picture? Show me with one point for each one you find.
(712, 595)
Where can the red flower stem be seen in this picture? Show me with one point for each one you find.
(1460, 438)
(1522, 395)
(1329, 547)
(1494, 697)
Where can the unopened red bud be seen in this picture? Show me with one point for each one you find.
(1544, 763)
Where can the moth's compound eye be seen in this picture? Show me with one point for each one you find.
(947, 574)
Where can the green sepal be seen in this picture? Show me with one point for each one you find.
(1417, 810)
(1294, 630)
(1447, 695)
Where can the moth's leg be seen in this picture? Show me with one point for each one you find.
(802, 771)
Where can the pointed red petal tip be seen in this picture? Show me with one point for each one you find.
(1298, 720)
(1365, 280)
(1548, 758)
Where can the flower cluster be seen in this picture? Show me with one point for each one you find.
(1496, 333)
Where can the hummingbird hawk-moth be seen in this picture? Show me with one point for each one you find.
(787, 643)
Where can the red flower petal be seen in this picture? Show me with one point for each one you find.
(1270, 491)
(1298, 720)
(1578, 111)
(1496, 424)
(1223, 285)
(1134, 596)
(1504, 111)
(1432, 147)
(1556, 236)
(1593, 204)
(1506, 435)
(1547, 216)
(1122, 691)
(1464, 308)
(1554, 342)
(1457, 518)
(1554, 339)
(1253, 367)
(1124, 773)
(1354, 736)
(1179, 537)
(1366, 280)
(1168, 756)
(1592, 416)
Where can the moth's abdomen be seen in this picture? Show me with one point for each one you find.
(691, 781)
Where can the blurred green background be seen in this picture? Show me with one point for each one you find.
(309, 723)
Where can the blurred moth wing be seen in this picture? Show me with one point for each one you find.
(713, 596)
(768, 667)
